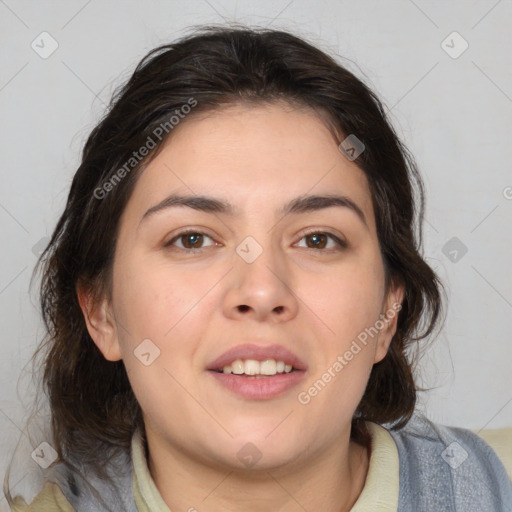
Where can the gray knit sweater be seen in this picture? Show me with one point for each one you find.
(447, 469)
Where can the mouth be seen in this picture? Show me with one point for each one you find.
(252, 359)
(255, 372)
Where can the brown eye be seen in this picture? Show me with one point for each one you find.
(192, 240)
(189, 240)
(320, 240)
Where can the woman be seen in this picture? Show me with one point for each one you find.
(231, 294)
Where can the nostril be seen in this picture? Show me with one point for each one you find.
(243, 308)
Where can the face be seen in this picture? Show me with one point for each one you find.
(308, 279)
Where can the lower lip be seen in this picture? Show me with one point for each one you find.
(259, 388)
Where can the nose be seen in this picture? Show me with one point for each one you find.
(262, 289)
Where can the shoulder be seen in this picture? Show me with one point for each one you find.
(49, 499)
(449, 468)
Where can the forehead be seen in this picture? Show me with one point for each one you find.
(256, 157)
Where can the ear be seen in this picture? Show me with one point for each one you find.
(388, 320)
(100, 323)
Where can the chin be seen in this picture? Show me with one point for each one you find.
(256, 453)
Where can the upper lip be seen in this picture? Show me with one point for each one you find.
(259, 353)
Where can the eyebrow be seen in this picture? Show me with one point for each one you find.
(299, 205)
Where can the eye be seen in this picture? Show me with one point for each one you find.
(190, 240)
(320, 240)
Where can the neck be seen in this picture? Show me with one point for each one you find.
(332, 481)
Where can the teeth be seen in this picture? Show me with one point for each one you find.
(253, 367)
(237, 367)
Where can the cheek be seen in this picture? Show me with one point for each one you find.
(172, 307)
(168, 309)
(349, 306)
(156, 300)
(348, 297)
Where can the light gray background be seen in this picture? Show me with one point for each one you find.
(455, 114)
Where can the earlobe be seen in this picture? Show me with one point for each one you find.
(100, 323)
(389, 321)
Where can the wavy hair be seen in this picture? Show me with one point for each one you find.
(93, 408)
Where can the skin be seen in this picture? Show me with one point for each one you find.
(314, 301)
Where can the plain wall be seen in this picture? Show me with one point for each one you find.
(453, 111)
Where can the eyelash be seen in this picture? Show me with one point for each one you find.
(341, 244)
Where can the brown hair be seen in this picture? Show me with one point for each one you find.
(91, 401)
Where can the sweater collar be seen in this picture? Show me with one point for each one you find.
(380, 492)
